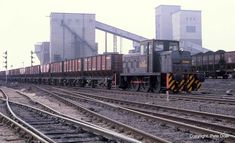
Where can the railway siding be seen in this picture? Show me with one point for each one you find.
(73, 100)
(53, 126)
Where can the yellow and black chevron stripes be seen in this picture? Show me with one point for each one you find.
(188, 84)
(181, 85)
(171, 82)
(197, 85)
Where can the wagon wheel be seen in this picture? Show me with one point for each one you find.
(135, 84)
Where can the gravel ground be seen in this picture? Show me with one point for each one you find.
(160, 129)
(198, 106)
(155, 128)
(7, 135)
(219, 86)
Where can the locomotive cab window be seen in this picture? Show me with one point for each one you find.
(159, 46)
(173, 46)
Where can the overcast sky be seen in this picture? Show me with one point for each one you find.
(26, 22)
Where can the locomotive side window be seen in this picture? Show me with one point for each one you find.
(143, 49)
(150, 48)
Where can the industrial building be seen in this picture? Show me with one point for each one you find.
(172, 23)
(72, 35)
(42, 50)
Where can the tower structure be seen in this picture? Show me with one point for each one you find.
(172, 23)
(72, 35)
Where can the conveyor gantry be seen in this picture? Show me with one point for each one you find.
(119, 32)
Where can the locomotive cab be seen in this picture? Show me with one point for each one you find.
(165, 56)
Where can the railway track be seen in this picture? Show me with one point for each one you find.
(108, 122)
(160, 99)
(54, 128)
(178, 126)
(173, 113)
(147, 105)
(193, 98)
(14, 132)
(16, 96)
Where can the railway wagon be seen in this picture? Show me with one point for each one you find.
(2, 75)
(230, 63)
(45, 74)
(215, 64)
(32, 74)
(88, 71)
(102, 69)
(16, 74)
(72, 70)
(159, 66)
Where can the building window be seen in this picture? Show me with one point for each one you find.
(190, 29)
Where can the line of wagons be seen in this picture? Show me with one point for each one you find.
(158, 66)
(215, 64)
(79, 71)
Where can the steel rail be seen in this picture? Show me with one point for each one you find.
(89, 127)
(150, 106)
(122, 128)
(214, 126)
(203, 98)
(100, 131)
(180, 124)
(30, 131)
(19, 129)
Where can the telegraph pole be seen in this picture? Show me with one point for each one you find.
(5, 57)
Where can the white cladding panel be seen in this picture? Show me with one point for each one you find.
(187, 25)
(63, 43)
(172, 23)
(163, 21)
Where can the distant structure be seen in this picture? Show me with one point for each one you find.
(172, 23)
(42, 51)
(72, 35)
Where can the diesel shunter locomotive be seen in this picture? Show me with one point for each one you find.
(158, 66)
